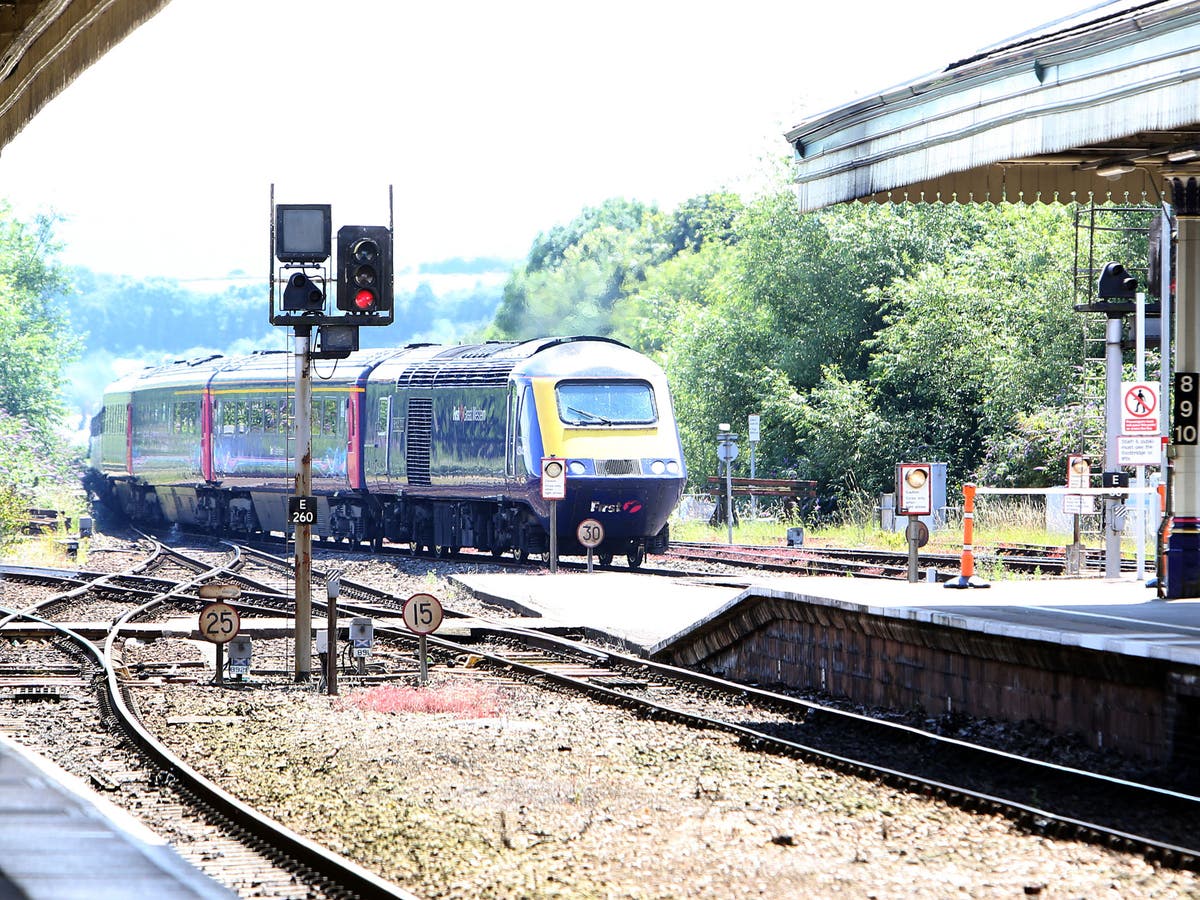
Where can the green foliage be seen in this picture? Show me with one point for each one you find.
(35, 339)
(971, 345)
(34, 471)
(578, 276)
(863, 334)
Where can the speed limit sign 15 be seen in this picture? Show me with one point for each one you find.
(422, 613)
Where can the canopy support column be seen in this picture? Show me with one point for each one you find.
(1183, 548)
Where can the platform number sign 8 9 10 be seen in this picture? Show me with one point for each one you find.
(1187, 394)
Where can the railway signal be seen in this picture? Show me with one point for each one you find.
(303, 294)
(364, 270)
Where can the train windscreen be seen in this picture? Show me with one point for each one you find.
(606, 403)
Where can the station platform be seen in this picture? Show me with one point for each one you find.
(1117, 616)
(1102, 658)
(62, 841)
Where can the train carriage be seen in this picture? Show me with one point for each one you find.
(437, 447)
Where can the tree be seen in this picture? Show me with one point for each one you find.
(35, 337)
(974, 343)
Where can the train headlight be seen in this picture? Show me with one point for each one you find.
(658, 467)
(575, 467)
(673, 467)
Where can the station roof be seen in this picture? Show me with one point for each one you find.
(1093, 107)
(45, 44)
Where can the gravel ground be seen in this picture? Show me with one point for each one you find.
(550, 796)
(532, 793)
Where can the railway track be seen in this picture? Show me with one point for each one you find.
(1157, 822)
(241, 847)
(866, 563)
(1042, 797)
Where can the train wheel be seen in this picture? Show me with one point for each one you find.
(497, 552)
(521, 555)
(606, 559)
(636, 556)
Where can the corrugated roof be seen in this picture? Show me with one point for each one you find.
(1049, 115)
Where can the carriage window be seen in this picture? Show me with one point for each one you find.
(606, 403)
(385, 413)
(185, 416)
(256, 415)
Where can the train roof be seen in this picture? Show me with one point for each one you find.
(177, 373)
(417, 365)
(268, 365)
(493, 362)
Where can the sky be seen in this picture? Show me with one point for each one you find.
(492, 121)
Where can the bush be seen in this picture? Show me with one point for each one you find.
(32, 473)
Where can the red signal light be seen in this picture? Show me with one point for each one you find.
(364, 300)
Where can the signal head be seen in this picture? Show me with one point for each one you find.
(364, 270)
(303, 294)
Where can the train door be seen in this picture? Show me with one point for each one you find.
(510, 432)
(519, 430)
(394, 438)
(206, 435)
(375, 440)
(354, 444)
(129, 437)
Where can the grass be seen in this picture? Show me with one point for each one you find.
(998, 520)
(43, 550)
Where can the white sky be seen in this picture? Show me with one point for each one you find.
(493, 120)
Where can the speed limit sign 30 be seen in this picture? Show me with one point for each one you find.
(590, 533)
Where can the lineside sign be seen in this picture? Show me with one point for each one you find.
(1139, 408)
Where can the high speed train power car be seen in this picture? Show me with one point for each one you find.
(439, 447)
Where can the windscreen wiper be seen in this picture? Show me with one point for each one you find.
(591, 415)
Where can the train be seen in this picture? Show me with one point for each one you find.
(436, 447)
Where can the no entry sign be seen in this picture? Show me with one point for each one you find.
(1139, 408)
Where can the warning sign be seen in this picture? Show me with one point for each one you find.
(915, 490)
(1139, 408)
(1139, 450)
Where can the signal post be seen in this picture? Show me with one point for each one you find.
(301, 247)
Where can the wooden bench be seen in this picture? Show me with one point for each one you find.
(797, 496)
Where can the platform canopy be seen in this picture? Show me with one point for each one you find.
(1093, 107)
(45, 44)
